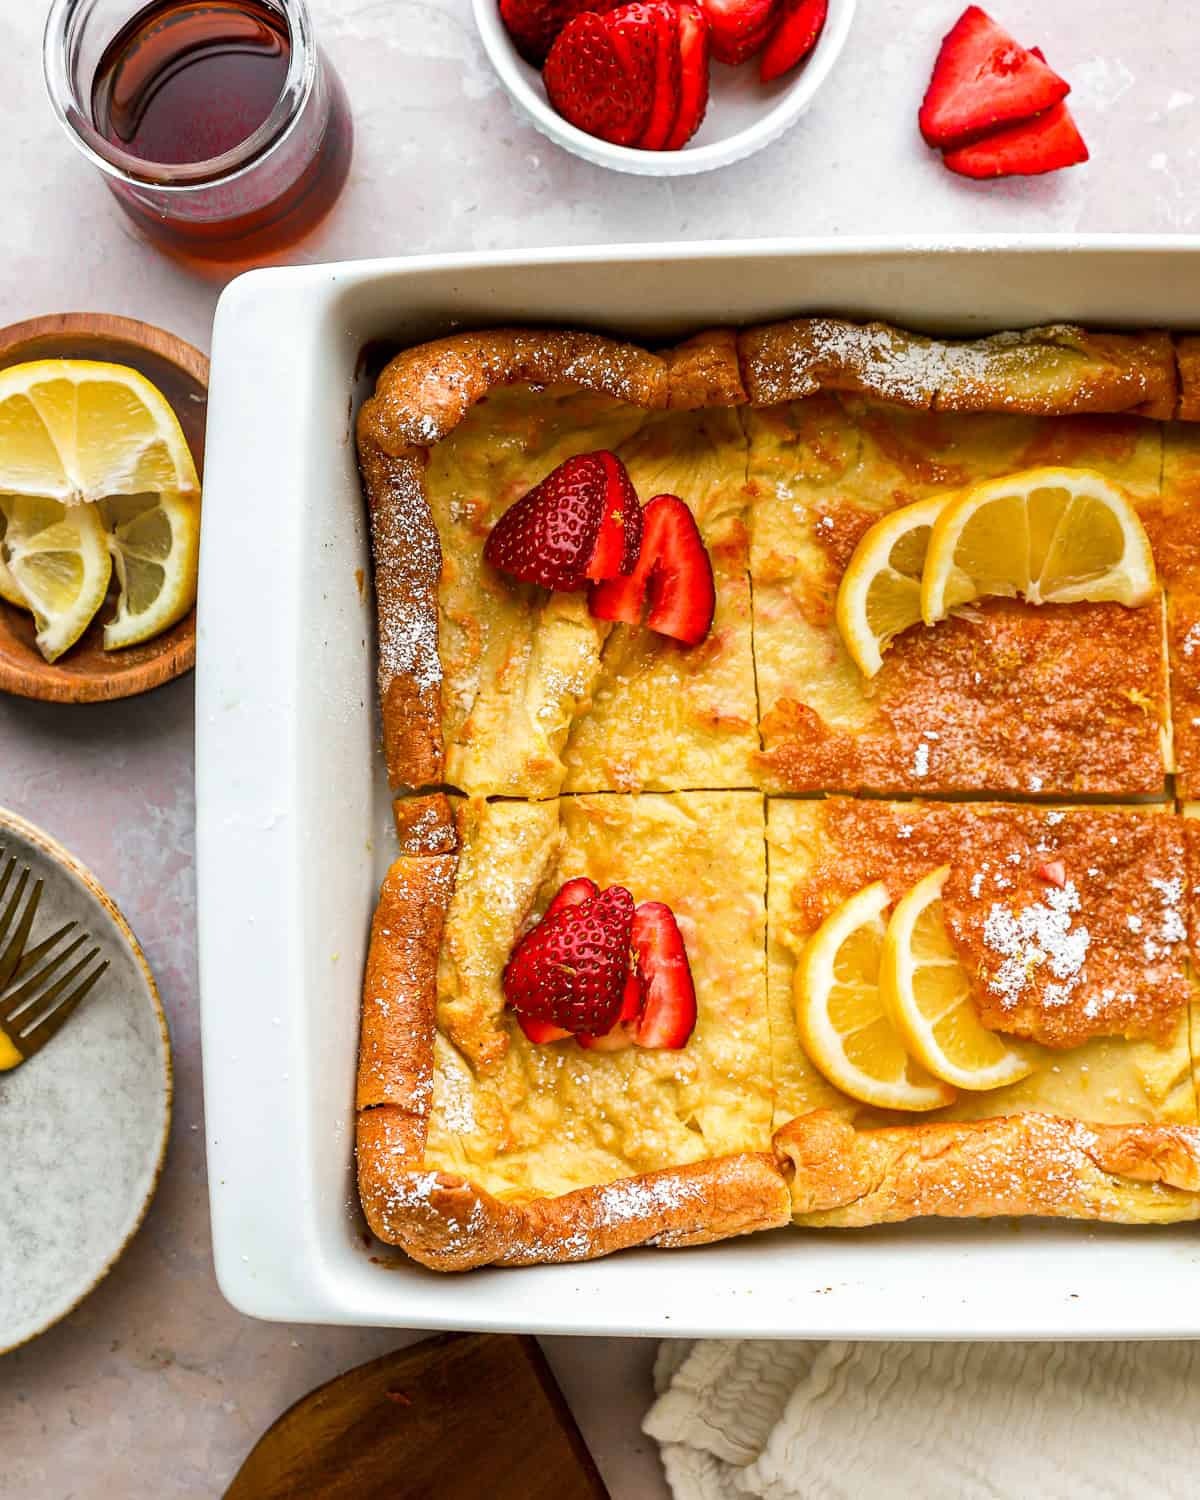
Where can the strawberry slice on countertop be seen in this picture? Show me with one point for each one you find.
(581, 524)
(669, 1013)
(1026, 149)
(570, 970)
(983, 79)
(738, 28)
(795, 34)
(673, 576)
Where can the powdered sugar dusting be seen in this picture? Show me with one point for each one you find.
(633, 1198)
(408, 563)
(902, 367)
(1039, 935)
(1172, 929)
(426, 831)
(453, 1097)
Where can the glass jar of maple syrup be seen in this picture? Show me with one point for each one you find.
(219, 126)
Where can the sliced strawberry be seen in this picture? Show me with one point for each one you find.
(541, 1031)
(624, 1032)
(1053, 872)
(533, 24)
(619, 539)
(599, 74)
(796, 32)
(633, 998)
(673, 574)
(572, 893)
(570, 970)
(1025, 150)
(665, 109)
(983, 78)
(738, 28)
(581, 523)
(669, 1016)
(693, 74)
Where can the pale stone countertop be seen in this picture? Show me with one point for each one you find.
(155, 1388)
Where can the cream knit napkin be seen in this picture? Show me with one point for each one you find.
(817, 1421)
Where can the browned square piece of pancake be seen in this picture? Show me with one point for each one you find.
(1004, 697)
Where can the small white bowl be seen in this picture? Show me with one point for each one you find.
(743, 114)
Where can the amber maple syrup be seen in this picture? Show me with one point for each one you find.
(189, 81)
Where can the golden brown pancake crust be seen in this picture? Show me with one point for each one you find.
(822, 1170)
(843, 1178)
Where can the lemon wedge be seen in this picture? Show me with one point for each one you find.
(1052, 536)
(880, 592)
(840, 1013)
(92, 458)
(59, 560)
(156, 549)
(927, 993)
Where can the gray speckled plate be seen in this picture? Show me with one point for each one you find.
(84, 1124)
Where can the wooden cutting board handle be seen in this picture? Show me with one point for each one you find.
(459, 1417)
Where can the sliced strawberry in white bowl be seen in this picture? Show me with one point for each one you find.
(641, 95)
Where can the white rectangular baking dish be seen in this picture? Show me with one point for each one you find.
(293, 821)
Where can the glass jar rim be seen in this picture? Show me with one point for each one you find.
(58, 60)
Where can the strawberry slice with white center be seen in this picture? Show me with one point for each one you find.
(581, 524)
(673, 576)
(796, 33)
(669, 1012)
(1053, 872)
(983, 79)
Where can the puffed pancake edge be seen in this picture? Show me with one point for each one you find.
(426, 391)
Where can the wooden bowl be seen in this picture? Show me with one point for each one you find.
(88, 673)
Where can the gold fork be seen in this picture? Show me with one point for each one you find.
(34, 1006)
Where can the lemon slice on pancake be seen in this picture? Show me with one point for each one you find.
(927, 993)
(841, 1016)
(1050, 536)
(880, 592)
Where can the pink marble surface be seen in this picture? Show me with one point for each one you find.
(155, 1389)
